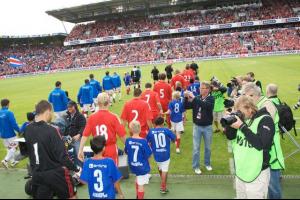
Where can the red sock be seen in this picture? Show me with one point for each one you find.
(178, 143)
(141, 195)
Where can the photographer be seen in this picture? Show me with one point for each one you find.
(48, 158)
(202, 106)
(251, 76)
(76, 124)
(252, 135)
(218, 92)
(234, 87)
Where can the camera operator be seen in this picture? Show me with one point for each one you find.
(298, 104)
(251, 133)
(234, 87)
(76, 124)
(202, 106)
(48, 158)
(277, 159)
(251, 76)
(218, 91)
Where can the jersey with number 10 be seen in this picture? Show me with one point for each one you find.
(138, 152)
(101, 176)
(160, 141)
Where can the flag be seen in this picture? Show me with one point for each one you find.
(15, 62)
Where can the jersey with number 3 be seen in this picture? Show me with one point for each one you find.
(101, 176)
(104, 123)
(138, 152)
(138, 110)
(160, 142)
(164, 92)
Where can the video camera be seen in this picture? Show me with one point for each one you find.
(230, 119)
(215, 82)
(233, 83)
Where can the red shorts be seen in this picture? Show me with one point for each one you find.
(111, 151)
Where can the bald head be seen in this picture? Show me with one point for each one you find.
(272, 90)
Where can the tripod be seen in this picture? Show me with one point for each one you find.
(294, 141)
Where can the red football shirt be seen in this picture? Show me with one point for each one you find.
(152, 99)
(188, 75)
(105, 123)
(179, 78)
(138, 110)
(164, 91)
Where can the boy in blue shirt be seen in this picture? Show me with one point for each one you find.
(160, 139)
(108, 86)
(139, 153)
(101, 174)
(85, 97)
(117, 85)
(97, 89)
(195, 86)
(178, 116)
(127, 81)
(8, 126)
(59, 100)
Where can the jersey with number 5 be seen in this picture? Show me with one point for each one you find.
(138, 110)
(138, 152)
(164, 92)
(160, 142)
(105, 123)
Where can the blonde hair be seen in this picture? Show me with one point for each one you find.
(176, 95)
(272, 89)
(246, 103)
(135, 127)
(178, 84)
(251, 87)
(103, 99)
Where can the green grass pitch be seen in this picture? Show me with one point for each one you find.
(25, 92)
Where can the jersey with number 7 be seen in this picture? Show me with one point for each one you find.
(107, 124)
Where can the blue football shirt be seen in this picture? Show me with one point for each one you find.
(177, 109)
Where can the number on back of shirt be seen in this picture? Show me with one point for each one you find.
(162, 93)
(98, 186)
(36, 153)
(136, 113)
(160, 140)
(176, 109)
(102, 130)
(135, 153)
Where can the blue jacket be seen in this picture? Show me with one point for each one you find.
(116, 81)
(59, 100)
(85, 95)
(96, 88)
(107, 83)
(8, 124)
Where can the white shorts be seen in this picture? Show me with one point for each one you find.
(60, 114)
(10, 143)
(118, 89)
(163, 166)
(177, 127)
(110, 92)
(218, 116)
(143, 180)
(86, 107)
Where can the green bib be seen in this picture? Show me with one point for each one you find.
(277, 159)
(248, 160)
(219, 101)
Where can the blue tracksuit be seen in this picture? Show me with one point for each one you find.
(107, 83)
(127, 80)
(96, 88)
(85, 95)
(8, 124)
(58, 99)
(116, 81)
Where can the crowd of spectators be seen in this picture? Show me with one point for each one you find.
(127, 25)
(39, 59)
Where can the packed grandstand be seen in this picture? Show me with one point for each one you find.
(187, 30)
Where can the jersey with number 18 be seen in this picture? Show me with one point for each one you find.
(106, 124)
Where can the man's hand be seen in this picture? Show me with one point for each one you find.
(237, 124)
(77, 137)
(81, 156)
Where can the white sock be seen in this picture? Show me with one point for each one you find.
(10, 156)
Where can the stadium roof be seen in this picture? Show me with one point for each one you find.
(113, 8)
